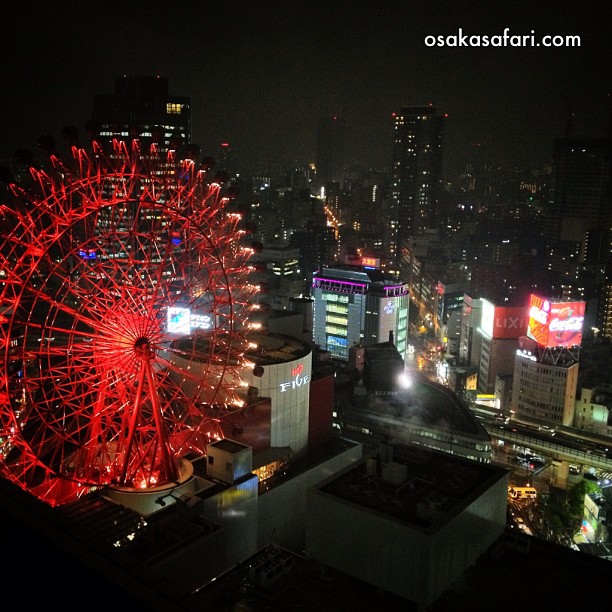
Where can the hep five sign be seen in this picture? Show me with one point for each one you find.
(298, 379)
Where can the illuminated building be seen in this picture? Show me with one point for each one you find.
(282, 371)
(143, 108)
(578, 226)
(543, 391)
(276, 271)
(354, 306)
(417, 167)
(470, 340)
(500, 327)
(604, 311)
(547, 362)
(594, 409)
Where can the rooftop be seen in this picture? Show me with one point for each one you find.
(229, 446)
(423, 403)
(414, 484)
(275, 348)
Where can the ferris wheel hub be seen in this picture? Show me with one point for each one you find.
(143, 349)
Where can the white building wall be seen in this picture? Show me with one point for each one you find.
(590, 415)
(402, 558)
(288, 387)
(499, 361)
(282, 510)
(544, 392)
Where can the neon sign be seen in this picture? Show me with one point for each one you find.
(553, 324)
(299, 379)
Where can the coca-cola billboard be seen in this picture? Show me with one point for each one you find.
(553, 324)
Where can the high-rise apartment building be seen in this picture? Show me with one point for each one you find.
(330, 150)
(578, 224)
(417, 171)
(579, 206)
(143, 108)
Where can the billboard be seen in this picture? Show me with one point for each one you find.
(503, 322)
(554, 324)
(184, 321)
(178, 320)
(387, 318)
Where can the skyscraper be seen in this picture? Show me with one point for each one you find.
(578, 223)
(580, 198)
(417, 171)
(330, 150)
(142, 107)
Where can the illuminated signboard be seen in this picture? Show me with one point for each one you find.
(178, 320)
(387, 321)
(373, 262)
(503, 322)
(182, 320)
(487, 318)
(299, 379)
(555, 324)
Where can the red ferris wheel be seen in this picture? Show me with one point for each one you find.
(123, 308)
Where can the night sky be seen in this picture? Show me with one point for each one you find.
(259, 74)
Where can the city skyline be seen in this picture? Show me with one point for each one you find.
(260, 77)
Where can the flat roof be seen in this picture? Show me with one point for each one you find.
(229, 446)
(432, 486)
(424, 402)
(275, 348)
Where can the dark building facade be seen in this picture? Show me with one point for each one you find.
(143, 108)
(417, 171)
(578, 224)
(330, 150)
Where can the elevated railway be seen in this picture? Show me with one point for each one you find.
(563, 446)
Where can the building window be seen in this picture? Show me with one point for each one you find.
(174, 109)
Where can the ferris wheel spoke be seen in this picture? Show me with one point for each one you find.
(111, 393)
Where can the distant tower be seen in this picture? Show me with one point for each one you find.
(417, 171)
(578, 219)
(330, 150)
(578, 224)
(227, 159)
(141, 107)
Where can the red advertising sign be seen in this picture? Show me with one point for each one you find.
(553, 324)
(509, 321)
